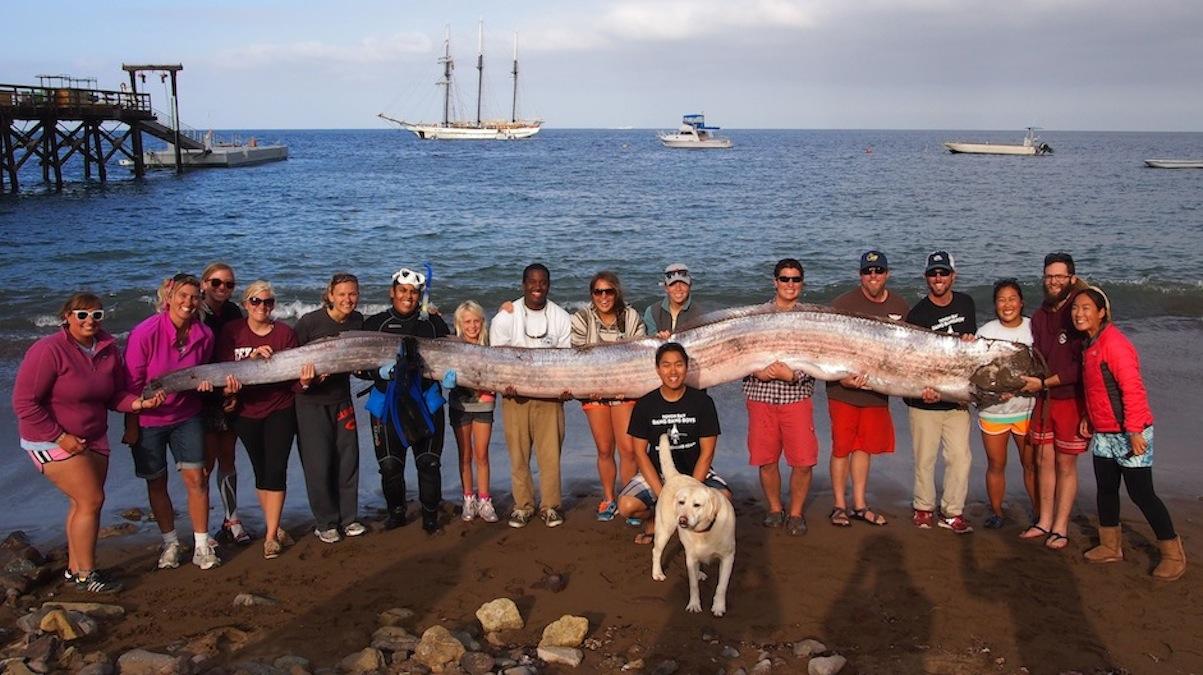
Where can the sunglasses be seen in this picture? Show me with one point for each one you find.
(938, 273)
(873, 270)
(789, 280)
(604, 291)
(83, 314)
(218, 283)
(269, 303)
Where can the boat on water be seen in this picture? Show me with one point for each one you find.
(1174, 163)
(694, 134)
(216, 154)
(1032, 145)
(480, 130)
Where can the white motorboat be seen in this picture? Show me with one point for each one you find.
(1032, 145)
(215, 154)
(1175, 163)
(480, 130)
(694, 134)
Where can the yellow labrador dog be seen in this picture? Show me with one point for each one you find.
(706, 521)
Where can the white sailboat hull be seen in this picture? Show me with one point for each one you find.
(1175, 163)
(435, 132)
(991, 149)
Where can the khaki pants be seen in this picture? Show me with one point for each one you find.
(540, 423)
(931, 430)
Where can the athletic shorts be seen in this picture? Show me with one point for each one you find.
(43, 453)
(463, 418)
(186, 440)
(606, 402)
(1119, 448)
(998, 428)
(773, 428)
(855, 429)
(639, 489)
(1062, 426)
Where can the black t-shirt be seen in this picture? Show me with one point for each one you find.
(216, 320)
(316, 325)
(686, 421)
(389, 321)
(959, 317)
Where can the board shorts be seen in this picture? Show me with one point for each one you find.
(607, 403)
(856, 429)
(789, 428)
(639, 489)
(1062, 426)
(1019, 427)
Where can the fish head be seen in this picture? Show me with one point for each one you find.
(1004, 373)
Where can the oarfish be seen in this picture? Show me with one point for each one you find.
(896, 358)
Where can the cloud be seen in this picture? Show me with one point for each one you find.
(369, 50)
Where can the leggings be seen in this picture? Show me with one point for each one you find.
(268, 442)
(1107, 476)
(390, 455)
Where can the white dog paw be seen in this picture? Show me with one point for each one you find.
(658, 575)
(718, 610)
(695, 607)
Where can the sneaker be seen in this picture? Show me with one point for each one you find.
(328, 536)
(469, 508)
(519, 519)
(484, 509)
(994, 522)
(355, 529)
(607, 510)
(238, 533)
(205, 557)
(169, 556)
(271, 549)
(551, 517)
(957, 524)
(923, 519)
(95, 583)
(284, 537)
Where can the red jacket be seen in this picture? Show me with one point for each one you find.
(1116, 400)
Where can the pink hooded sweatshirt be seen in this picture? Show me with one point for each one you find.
(60, 388)
(151, 352)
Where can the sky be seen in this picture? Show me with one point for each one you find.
(811, 64)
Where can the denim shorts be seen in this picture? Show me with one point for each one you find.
(187, 442)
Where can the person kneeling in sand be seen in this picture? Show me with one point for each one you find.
(688, 417)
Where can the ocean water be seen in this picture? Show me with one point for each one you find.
(584, 200)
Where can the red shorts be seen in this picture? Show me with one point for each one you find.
(1062, 426)
(855, 429)
(789, 427)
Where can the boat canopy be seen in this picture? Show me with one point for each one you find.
(697, 122)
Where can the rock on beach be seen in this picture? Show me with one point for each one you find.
(566, 631)
(499, 615)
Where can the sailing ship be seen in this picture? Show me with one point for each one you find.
(480, 130)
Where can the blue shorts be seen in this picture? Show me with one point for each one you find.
(187, 442)
(639, 489)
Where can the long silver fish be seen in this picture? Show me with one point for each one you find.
(898, 359)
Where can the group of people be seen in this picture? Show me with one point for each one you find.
(1092, 398)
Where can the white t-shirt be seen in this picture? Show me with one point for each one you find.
(1020, 407)
(525, 327)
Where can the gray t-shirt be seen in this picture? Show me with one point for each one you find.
(314, 326)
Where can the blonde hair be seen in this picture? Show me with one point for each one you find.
(168, 287)
(257, 286)
(471, 307)
(216, 267)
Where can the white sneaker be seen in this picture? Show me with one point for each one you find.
(355, 529)
(469, 508)
(205, 557)
(330, 536)
(169, 556)
(484, 509)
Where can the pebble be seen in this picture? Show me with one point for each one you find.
(519, 670)
(499, 615)
(102, 668)
(730, 652)
(826, 665)
(93, 609)
(477, 663)
(762, 666)
(667, 667)
(395, 639)
(143, 662)
(397, 616)
(366, 660)
(250, 600)
(467, 640)
(135, 514)
(808, 647)
(118, 530)
(634, 664)
(290, 661)
(567, 656)
(438, 648)
(566, 631)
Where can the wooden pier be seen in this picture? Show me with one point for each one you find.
(55, 123)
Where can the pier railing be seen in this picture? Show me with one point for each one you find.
(22, 101)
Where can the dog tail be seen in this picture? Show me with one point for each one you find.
(666, 459)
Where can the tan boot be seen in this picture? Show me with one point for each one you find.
(1173, 560)
(1110, 548)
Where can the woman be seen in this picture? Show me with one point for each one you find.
(217, 285)
(266, 422)
(608, 318)
(1007, 420)
(1117, 410)
(472, 419)
(327, 438)
(64, 389)
(173, 339)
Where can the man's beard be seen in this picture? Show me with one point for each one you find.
(1054, 299)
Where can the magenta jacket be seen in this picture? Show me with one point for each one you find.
(60, 388)
(150, 352)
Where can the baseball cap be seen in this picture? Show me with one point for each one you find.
(677, 272)
(409, 278)
(939, 260)
(873, 258)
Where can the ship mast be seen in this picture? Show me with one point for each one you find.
(480, 66)
(514, 107)
(445, 83)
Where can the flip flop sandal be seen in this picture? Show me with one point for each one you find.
(839, 518)
(1040, 533)
(1056, 541)
(863, 514)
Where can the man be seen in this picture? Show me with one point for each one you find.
(689, 418)
(1059, 408)
(535, 322)
(934, 422)
(677, 308)
(781, 417)
(860, 419)
(404, 317)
